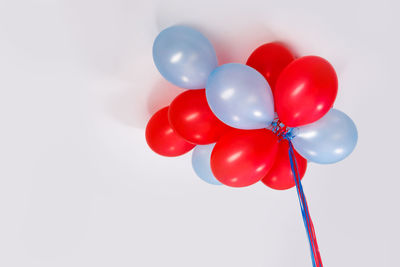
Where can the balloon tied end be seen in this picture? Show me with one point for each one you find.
(281, 130)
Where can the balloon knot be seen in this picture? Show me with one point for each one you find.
(281, 130)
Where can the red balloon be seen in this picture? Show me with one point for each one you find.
(305, 91)
(192, 118)
(270, 59)
(162, 139)
(280, 176)
(242, 157)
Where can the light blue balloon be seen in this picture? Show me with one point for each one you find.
(240, 96)
(184, 57)
(328, 140)
(201, 163)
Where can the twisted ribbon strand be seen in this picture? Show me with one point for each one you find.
(315, 255)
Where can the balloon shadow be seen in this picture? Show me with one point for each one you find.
(236, 47)
(126, 106)
(133, 107)
(161, 95)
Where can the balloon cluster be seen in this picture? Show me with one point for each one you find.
(242, 119)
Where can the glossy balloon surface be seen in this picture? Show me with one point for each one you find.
(241, 158)
(269, 60)
(192, 118)
(328, 140)
(162, 139)
(240, 97)
(184, 57)
(280, 177)
(201, 163)
(305, 91)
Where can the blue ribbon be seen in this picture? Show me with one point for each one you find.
(303, 204)
(284, 132)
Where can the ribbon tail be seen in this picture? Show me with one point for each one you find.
(315, 255)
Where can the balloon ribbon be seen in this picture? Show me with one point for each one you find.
(315, 255)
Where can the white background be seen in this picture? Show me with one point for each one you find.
(79, 186)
